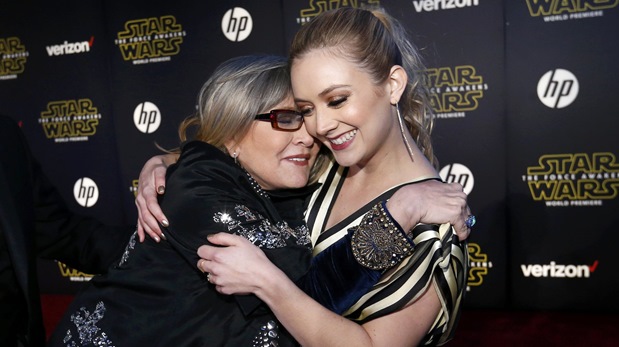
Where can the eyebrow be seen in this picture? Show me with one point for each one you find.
(332, 88)
(327, 90)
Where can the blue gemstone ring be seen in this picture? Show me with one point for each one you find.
(470, 221)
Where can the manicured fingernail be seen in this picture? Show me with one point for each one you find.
(156, 238)
(163, 236)
(160, 189)
(165, 223)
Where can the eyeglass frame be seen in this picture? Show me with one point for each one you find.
(272, 117)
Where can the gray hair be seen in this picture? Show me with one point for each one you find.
(238, 90)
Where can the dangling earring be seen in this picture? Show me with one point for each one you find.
(403, 132)
(234, 155)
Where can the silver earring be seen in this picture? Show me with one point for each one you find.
(234, 155)
(403, 132)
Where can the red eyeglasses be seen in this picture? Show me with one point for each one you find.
(284, 120)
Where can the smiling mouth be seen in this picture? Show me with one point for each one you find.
(344, 138)
(299, 159)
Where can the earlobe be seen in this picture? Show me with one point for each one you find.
(233, 150)
(397, 81)
(231, 147)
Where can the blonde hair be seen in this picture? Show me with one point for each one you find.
(238, 90)
(375, 42)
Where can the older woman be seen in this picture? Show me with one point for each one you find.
(249, 140)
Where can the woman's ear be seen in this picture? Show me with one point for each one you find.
(231, 147)
(397, 81)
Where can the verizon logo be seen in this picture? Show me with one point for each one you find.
(70, 47)
(557, 270)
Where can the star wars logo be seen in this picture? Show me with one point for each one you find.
(70, 120)
(578, 179)
(479, 265)
(455, 90)
(317, 7)
(13, 57)
(150, 40)
(73, 274)
(560, 10)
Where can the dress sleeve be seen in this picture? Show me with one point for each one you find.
(335, 279)
(348, 269)
(204, 196)
(206, 193)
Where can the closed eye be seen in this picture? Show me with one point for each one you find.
(307, 111)
(337, 102)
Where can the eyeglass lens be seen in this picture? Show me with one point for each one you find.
(289, 120)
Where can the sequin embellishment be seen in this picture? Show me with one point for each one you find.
(268, 335)
(259, 230)
(87, 329)
(130, 246)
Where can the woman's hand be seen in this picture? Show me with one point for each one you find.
(431, 202)
(151, 182)
(239, 267)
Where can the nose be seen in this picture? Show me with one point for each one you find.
(324, 124)
(302, 137)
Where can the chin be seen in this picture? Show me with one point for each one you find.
(296, 181)
(296, 185)
(345, 160)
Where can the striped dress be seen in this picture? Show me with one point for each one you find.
(439, 259)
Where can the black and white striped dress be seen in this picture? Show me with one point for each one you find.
(439, 259)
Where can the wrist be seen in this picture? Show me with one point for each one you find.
(169, 159)
(404, 214)
(272, 284)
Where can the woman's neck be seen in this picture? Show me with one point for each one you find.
(392, 165)
(387, 169)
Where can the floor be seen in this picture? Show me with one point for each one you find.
(481, 328)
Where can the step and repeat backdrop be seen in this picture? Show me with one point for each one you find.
(523, 90)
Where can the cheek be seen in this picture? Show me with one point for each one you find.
(310, 125)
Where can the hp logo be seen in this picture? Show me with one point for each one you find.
(86, 192)
(147, 117)
(557, 88)
(236, 24)
(458, 173)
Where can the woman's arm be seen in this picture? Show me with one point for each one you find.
(313, 325)
(151, 183)
(241, 274)
(242, 268)
(431, 202)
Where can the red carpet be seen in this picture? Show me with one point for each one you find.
(53, 307)
(480, 328)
